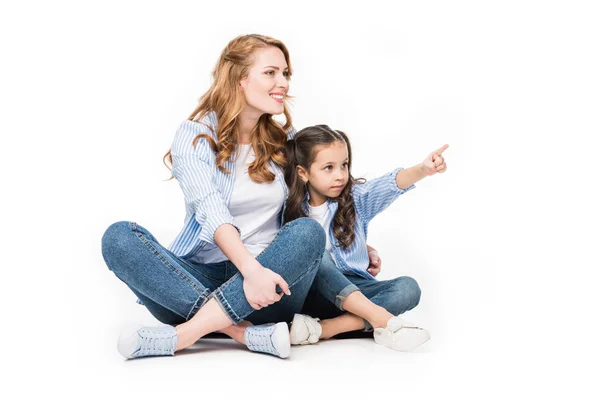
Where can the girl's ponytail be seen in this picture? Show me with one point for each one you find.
(296, 186)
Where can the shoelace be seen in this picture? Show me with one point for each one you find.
(156, 343)
(260, 340)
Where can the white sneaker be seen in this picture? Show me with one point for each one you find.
(305, 330)
(400, 335)
(269, 338)
(136, 341)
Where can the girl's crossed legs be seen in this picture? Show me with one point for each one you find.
(346, 303)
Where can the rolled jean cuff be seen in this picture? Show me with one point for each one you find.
(345, 292)
(218, 296)
(368, 326)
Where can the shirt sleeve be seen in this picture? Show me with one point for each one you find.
(374, 196)
(195, 169)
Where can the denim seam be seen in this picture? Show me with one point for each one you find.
(220, 298)
(147, 243)
(197, 306)
(314, 265)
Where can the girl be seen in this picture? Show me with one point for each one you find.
(322, 188)
(232, 260)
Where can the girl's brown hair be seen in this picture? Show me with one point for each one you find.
(300, 151)
(227, 101)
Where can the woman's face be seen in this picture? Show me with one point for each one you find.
(267, 82)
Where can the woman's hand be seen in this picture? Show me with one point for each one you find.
(259, 282)
(260, 285)
(434, 163)
(374, 263)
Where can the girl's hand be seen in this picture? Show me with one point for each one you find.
(434, 163)
(374, 263)
(260, 286)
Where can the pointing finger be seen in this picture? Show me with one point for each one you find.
(441, 150)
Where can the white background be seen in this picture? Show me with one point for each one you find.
(502, 244)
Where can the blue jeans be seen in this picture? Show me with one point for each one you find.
(173, 289)
(331, 287)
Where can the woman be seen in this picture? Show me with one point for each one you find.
(231, 262)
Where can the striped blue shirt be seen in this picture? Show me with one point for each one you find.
(370, 198)
(206, 189)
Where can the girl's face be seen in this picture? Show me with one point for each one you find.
(267, 82)
(328, 174)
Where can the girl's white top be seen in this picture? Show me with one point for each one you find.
(323, 215)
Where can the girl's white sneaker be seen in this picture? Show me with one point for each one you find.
(305, 330)
(400, 335)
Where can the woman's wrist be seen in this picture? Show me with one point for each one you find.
(228, 239)
(248, 266)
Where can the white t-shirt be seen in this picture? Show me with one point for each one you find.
(255, 208)
(322, 214)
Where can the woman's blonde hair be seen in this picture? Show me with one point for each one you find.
(227, 100)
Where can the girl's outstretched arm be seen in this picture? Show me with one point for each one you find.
(433, 164)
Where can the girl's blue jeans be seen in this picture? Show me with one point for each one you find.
(331, 287)
(173, 289)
